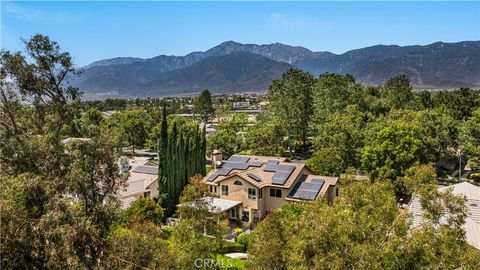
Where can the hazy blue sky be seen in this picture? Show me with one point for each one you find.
(98, 30)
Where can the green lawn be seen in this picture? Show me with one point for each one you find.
(229, 263)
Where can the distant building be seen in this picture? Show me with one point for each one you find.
(108, 114)
(253, 186)
(472, 203)
(242, 105)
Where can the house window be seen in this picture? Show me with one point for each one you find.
(252, 193)
(238, 183)
(337, 192)
(224, 190)
(275, 192)
(213, 189)
(260, 193)
(245, 216)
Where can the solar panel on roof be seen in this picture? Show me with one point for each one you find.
(254, 177)
(279, 177)
(305, 195)
(223, 171)
(302, 178)
(239, 159)
(307, 190)
(317, 180)
(285, 168)
(282, 172)
(270, 167)
(146, 169)
(271, 161)
(255, 163)
(212, 177)
(235, 165)
(311, 186)
(294, 188)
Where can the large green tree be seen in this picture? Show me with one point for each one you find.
(364, 229)
(470, 139)
(203, 106)
(56, 203)
(182, 155)
(228, 138)
(266, 139)
(333, 92)
(291, 103)
(135, 132)
(391, 151)
(199, 235)
(399, 91)
(339, 142)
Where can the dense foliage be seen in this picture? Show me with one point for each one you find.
(55, 199)
(365, 229)
(59, 172)
(203, 106)
(181, 155)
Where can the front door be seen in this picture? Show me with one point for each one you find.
(233, 212)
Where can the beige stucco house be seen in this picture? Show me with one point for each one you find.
(258, 185)
(142, 182)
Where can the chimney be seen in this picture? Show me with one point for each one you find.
(216, 158)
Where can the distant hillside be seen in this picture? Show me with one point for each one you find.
(234, 72)
(250, 67)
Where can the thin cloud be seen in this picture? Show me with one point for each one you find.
(33, 15)
(282, 22)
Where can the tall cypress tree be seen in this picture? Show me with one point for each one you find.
(182, 156)
(163, 155)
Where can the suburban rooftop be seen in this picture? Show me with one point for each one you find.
(277, 172)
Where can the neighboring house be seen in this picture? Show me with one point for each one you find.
(253, 186)
(108, 114)
(142, 182)
(242, 105)
(472, 203)
(210, 128)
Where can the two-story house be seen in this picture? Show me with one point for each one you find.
(253, 186)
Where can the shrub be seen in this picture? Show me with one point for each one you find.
(231, 247)
(168, 230)
(243, 239)
(145, 209)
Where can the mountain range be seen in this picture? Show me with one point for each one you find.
(234, 67)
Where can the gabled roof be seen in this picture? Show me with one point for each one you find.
(260, 171)
(472, 203)
(278, 172)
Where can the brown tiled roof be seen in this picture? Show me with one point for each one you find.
(265, 176)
